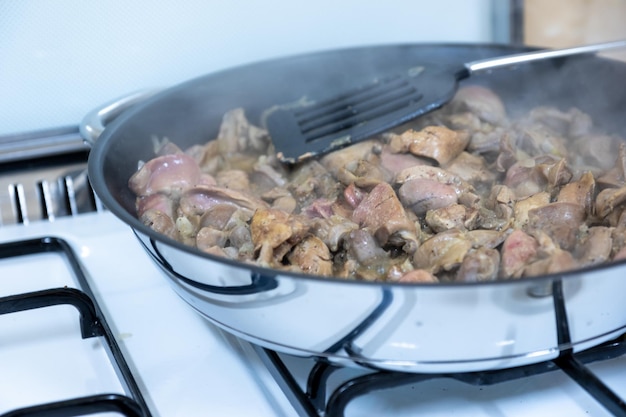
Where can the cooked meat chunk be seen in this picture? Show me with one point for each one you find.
(435, 142)
(422, 195)
(312, 256)
(518, 250)
(167, 174)
(270, 229)
(382, 213)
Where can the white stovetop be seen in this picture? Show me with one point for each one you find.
(187, 367)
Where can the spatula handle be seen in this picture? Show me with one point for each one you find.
(490, 63)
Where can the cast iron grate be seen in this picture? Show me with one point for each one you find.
(92, 324)
(313, 401)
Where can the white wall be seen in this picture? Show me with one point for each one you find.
(59, 59)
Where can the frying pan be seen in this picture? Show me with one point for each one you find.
(408, 327)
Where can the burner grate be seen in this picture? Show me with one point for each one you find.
(92, 324)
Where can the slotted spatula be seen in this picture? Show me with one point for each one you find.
(303, 131)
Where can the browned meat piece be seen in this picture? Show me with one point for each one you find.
(312, 257)
(501, 200)
(442, 252)
(521, 208)
(425, 172)
(238, 136)
(596, 246)
(486, 238)
(530, 176)
(351, 163)
(312, 181)
(471, 168)
(363, 247)
(454, 216)
(559, 261)
(319, 208)
(480, 264)
(265, 177)
(160, 222)
(234, 179)
(334, 230)
(383, 214)
(240, 238)
(156, 202)
(353, 195)
(280, 199)
(199, 199)
(517, 251)
(396, 162)
(270, 229)
(435, 142)
(480, 101)
(418, 276)
(579, 192)
(561, 221)
(607, 200)
(422, 195)
(167, 174)
(488, 142)
(207, 237)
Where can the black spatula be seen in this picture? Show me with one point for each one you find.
(303, 131)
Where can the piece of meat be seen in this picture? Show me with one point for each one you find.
(198, 200)
(453, 216)
(157, 202)
(480, 101)
(579, 192)
(396, 162)
(235, 179)
(270, 229)
(440, 175)
(435, 142)
(523, 206)
(167, 174)
(480, 264)
(160, 222)
(422, 195)
(561, 221)
(596, 246)
(334, 230)
(311, 181)
(442, 252)
(342, 162)
(237, 135)
(363, 247)
(517, 251)
(383, 214)
(418, 276)
(312, 256)
(608, 199)
(559, 261)
(471, 168)
(353, 195)
(207, 237)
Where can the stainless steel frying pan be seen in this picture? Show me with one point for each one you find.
(407, 327)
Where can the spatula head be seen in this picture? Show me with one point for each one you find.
(329, 123)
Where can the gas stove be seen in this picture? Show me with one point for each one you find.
(109, 334)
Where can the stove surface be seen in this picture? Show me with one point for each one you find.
(185, 366)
